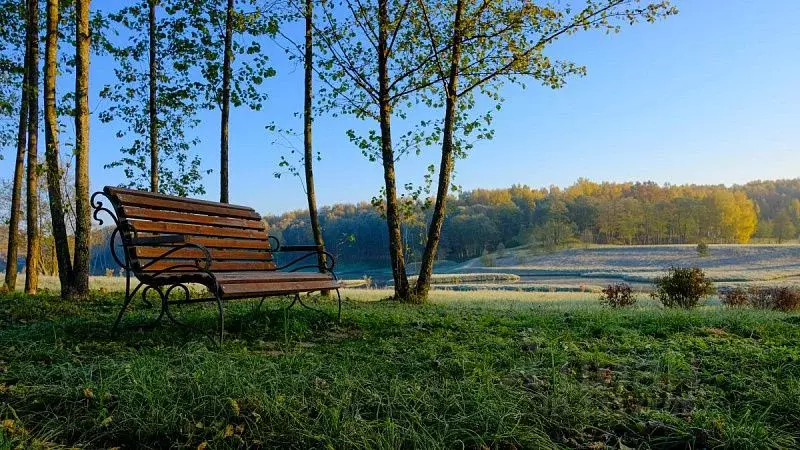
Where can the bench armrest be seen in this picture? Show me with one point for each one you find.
(160, 240)
(310, 249)
(300, 248)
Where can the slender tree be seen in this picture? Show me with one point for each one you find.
(225, 107)
(153, 98)
(19, 169)
(82, 207)
(308, 151)
(32, 211)
(57, 210)
(227, 42)
(492, 41)
(157, 157)
(373, 66)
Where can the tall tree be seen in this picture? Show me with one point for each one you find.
(308, 118)
(227, 38)
(57, 210)
(19, 169)
(488, 42)
(225, 107)
(82, 207)
(373, 65)
(152, 90)
(154, 126)
(33, 253)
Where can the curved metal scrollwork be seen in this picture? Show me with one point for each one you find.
(277, 246)
(99, 207)
(330, 260)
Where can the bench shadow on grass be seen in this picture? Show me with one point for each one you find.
(46, 317)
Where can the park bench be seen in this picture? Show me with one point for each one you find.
(166, 242)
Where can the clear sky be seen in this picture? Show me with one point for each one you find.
(709, 96)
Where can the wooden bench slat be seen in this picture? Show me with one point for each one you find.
(122, 190)
(136, 212)
(217, 242)
(196, 230)
(269, 277)
(286, 287)
(226, 266)
(194, 253)
(183, 206)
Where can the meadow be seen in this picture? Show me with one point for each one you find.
(486, 369)
(594, 266)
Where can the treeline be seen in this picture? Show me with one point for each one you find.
(636, 213)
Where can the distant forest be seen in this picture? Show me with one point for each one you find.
(586, 212)
(639, 213)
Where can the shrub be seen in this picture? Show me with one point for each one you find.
(682, 287)
(702, 249)
(785, 298)
(734, 298)
(487, 259)
(617, 295)
(779, 298)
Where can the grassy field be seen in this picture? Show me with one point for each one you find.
(727, 265)
(470, 370)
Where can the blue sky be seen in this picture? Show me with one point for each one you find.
(709, 96)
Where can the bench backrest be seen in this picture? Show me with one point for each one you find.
(236, 236)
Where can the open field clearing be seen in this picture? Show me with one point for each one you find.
(597, 265)
(475, 370)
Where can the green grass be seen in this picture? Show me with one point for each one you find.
(520, 370)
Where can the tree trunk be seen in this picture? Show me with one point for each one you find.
(226, 104)
(32, 262)
(82, 207)
(57, 211)
(152, 100)
(308, 159)
(16, 190)
(446, 165)
(401, 288)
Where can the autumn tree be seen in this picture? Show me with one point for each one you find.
(156, 105)
(783, 228)
(481, 44)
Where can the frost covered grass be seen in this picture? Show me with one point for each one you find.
(475, 370)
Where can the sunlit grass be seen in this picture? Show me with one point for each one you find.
(483, 369)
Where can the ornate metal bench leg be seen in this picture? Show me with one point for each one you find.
(295, 300)
(339, 313)
(261, 303)
(221, 319)
(125, 304)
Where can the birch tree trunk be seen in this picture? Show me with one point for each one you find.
(19, 168)
(82, 207)
(60, 240)
(34, 245)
